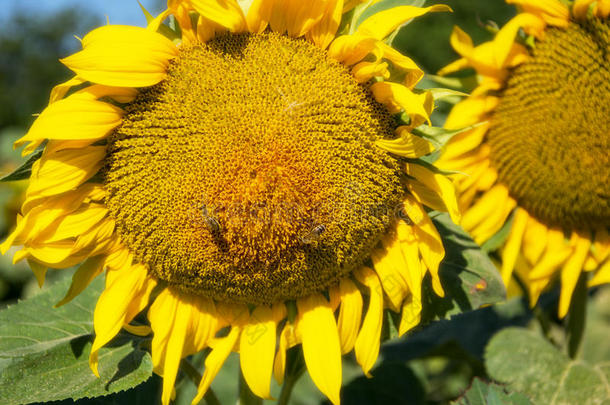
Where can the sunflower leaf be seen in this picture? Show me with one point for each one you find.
(482, 393)
(44, 351)
(468, 275)
(24, 171)
(528, 363)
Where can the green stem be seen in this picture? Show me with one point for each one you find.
(577, 317)
(246, 396)
(188, 369)
(295, 366)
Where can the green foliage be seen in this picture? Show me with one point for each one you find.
(44, 351)
(24, 171)
(530, 364)
(481, 393)
(469, 277)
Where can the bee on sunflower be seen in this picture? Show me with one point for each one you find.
(243, 177)
(536, 164)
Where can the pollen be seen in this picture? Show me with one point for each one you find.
(550, 134)
(251, 175)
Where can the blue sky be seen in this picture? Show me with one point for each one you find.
(118, 11)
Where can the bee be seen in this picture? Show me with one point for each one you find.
(211, 222)
(313, 235)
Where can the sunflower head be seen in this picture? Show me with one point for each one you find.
(540, 153)
(254, 169)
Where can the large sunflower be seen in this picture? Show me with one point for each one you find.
(538, 164)
(249, 178)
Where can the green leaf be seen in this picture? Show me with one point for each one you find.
(469, 277)
(482, 393)
(44, 351)
(462, 84)
(530, 364)
(24, 171)
(440, 136)
(439, 93)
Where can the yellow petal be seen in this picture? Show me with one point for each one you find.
(126, 294)
(75, 224)
(534, 240)
(390, 265)
(552, 11)
(351, 49)
(397, 98)
(429, 241)
(226, 13)
(410, 315)
(439, 184)
(82, 277)
(406, 145)
(295, 16)
(365, 71)
(64, 170)
(324, 31)
(287, 340)
(571, 271)
(215, 360)
(602, 275)
(321, 347)
(169, 320)
(350, 314)
(512, 246)
(257, 349)
(39, 271)
(413, 74)
(258, 15)
(556, 254)
(485, 206)
(73, 118)
(383, 23)
(124, 56)
(503, 42)
(62, 89)
(367, 343)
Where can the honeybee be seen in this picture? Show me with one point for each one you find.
(211, 222)
(313, 235)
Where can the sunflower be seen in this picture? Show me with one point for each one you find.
(249, 176)
(536, 160)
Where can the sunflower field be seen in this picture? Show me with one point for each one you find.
(289, 202)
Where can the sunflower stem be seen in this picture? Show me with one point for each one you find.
(577, 317)
(295, 366)
(246, 396)
(188, 369)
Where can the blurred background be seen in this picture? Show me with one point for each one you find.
(433, 366)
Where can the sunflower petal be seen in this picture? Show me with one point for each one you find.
(367, 343)
(383, 23)
(73, 118)
(226, 13)
(215, 360)
(126, 294)
(257, 349)
(439, 184)
(512, 247)
(571, 271)
(324, 31)
(397, 98)
(321, 346)
(82, 277)
(350, 314)
(124, 56)
(64, 170)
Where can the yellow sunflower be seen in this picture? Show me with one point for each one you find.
(537, 164)
(247, 175)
